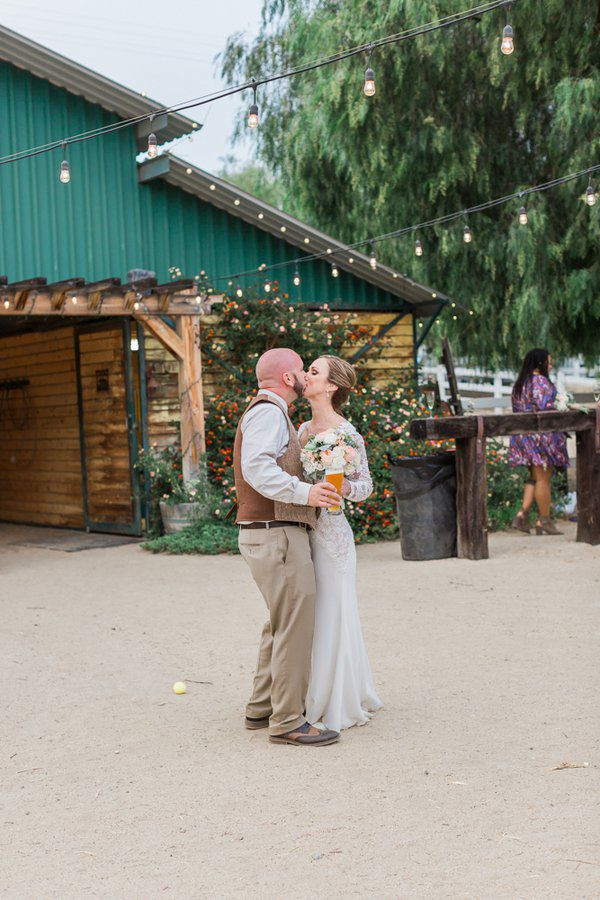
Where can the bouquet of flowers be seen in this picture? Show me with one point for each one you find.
(331, 449)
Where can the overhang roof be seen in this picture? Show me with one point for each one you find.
(61, 71)
(425, 300)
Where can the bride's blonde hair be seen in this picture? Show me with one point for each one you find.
(343, 375)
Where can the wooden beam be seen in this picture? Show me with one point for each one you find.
(588, 488)
(471, 498)
(505, 423)
(165, 334)
(193, 443)
(98, 301)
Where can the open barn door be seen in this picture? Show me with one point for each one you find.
(109, 424)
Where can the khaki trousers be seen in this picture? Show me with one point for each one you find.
(281, 565)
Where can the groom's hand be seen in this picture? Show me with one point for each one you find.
(323, 494)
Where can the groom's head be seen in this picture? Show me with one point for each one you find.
(281, 370)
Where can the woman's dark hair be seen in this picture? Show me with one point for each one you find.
(535, 359)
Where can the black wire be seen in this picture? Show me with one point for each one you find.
(397, 38)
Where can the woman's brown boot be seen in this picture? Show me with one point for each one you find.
(521, 521)
(546, 526)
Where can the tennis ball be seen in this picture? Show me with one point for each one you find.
(179, 687)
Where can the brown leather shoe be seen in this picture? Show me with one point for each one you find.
(306, 735)
(255, 724)
(521, 522)
(546, 526)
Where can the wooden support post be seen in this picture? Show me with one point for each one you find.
(588, 488)
(193, 442)
(471, 497)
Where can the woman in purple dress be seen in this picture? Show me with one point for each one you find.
(541, 453)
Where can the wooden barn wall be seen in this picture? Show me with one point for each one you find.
(161, 371)
(40, 463)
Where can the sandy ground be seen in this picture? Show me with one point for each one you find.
(115, 787)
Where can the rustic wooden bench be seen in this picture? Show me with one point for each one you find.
(470, 433)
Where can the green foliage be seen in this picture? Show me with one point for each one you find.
(163, 478)
(453, 123)
(208, 538)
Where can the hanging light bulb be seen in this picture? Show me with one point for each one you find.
(467, 235)
(6, 303)
(369, 86)
(239, 292)
(253, 112)
(590, 195)
(65, 171)
(297, 278)
(74, 300)
(373, 259)
(152, 146)
(136, 304)
(267, 286)
(334, 270)
(507, 46)
(134, 344)
(523, 220)
(418, 248)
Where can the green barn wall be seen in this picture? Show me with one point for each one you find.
(104, 222)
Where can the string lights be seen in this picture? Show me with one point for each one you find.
(65, 171)
(523, 219)
(418, 248)
(253, 111)
(334, 271)
(369, 85)
(152, 142)
(370, 242)
(508, 45)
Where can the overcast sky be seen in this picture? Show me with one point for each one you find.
(166, 49)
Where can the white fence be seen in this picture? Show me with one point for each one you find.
(496, 387)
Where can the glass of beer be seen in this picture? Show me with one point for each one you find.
(335, 477)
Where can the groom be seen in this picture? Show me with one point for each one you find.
(276, 510)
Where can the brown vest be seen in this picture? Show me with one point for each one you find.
(252, 506)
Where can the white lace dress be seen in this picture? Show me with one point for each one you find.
(341, 692)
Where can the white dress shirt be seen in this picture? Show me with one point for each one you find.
(265, 439)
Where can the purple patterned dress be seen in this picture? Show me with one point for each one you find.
(537, 449)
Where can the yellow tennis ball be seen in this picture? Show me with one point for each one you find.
(179, 687)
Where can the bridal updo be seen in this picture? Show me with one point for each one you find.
(343, 375)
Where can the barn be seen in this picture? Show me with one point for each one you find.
(97, 338)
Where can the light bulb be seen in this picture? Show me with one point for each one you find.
(134, 344)
(335, 271)
(152, 146)
(253, 116)
(6, 303)
(590, 196)
(74, 301)
(523, 216)
(65, 172)
(239, 292)
(296, 278)
(267, 286)
(418, 248)
(467, 235)
(369, 86)
(507, 45)
(373, 260)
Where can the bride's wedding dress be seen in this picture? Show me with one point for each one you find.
(341, 692)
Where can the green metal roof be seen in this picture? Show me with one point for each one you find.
(105, 222)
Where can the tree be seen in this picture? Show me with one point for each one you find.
(255, 179)
(453, 123)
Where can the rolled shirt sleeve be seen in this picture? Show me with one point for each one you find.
(266, 437)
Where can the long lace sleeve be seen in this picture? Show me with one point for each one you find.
(361, 484)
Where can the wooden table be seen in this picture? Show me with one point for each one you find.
(470, 433)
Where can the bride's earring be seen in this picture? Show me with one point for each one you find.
(327, 392)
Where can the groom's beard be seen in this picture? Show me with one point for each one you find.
(298, 387)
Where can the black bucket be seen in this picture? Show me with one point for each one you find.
(425, 488)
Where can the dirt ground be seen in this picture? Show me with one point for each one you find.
(113, 786)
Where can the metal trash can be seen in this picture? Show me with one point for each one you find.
(425, 489)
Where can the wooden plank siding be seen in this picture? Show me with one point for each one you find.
(108, 465)
(40, 462)
(162, 368)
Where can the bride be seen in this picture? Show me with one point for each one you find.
(341, 691)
